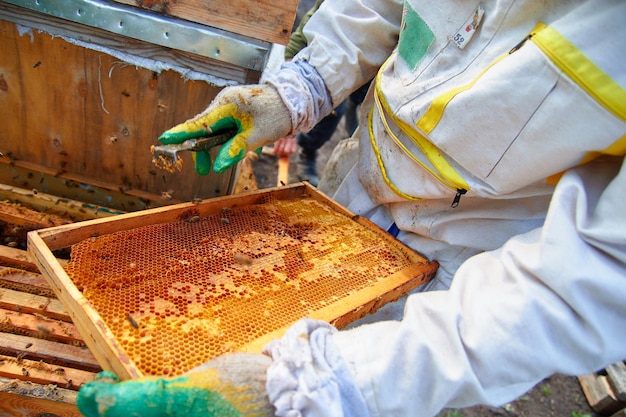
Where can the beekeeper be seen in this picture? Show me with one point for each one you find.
(492, 141)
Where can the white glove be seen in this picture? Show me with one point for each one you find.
(255, 112)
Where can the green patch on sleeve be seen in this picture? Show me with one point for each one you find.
(415, 37)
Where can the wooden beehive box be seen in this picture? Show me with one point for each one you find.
(258, 258)
(85, 96)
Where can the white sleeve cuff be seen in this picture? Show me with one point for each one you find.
(308, 377)
(303, 91)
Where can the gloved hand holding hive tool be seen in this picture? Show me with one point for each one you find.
(256, 113)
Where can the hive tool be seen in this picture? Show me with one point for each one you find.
(166, 156)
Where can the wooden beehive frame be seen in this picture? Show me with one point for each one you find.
(100, 339)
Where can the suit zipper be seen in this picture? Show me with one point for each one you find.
(519, 45)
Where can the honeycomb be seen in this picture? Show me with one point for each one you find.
(177, 294)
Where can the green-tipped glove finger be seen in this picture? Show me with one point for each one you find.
(256, 112)
(228, 386)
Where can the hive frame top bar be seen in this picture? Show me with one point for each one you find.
(157, 29)
(108, 350)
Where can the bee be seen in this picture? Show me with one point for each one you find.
(224, 220)
(43, 329)
(132, 321)
(242, 259)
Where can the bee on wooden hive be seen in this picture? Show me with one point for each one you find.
(43, 329)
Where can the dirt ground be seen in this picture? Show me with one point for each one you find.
(558, 396)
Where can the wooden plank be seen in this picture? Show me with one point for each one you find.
(24, 281)
(261, 19)
(599, 394)
(67, 185)
(41, 373)
(16, 258)
(617, 379)
(19, 259)
(91, 126)
(19, 398)
(39, 326)
(23, 216)
(47, 203)
(50, 352)
(13, 404)
(33, 304)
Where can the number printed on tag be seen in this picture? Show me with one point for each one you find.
(465, 34)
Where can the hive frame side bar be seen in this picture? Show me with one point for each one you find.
(358, 305)
(102, 343)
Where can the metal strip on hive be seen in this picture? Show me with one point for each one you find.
(157, 29)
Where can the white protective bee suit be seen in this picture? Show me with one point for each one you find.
(493, 138)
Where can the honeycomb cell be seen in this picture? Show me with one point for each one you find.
(178, 294)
